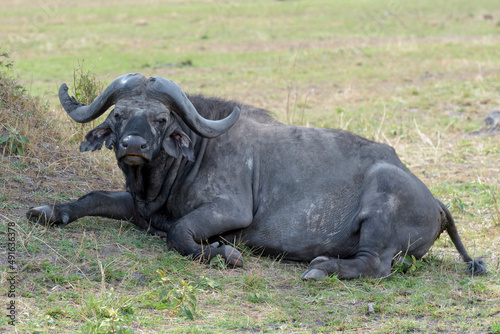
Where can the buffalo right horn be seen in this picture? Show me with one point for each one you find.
(81, 113)
(168, 91)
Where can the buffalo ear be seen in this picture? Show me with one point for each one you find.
(96, 137)
(178, 142)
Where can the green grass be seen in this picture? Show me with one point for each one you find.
(417, 75)
(217, 35)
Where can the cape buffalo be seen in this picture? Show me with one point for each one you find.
(202, 170)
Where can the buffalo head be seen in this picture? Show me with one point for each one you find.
(149, 115)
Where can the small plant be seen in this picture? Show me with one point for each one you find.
(6, 62)
(107, 313)
(458, 203)
(258, 298)
(87, 86)
(491, 193)
(495, 328)
(218, 262)
(206, 283)
(407, 264)
(177, 294)
(113, 322)
(14, 142)
(253, 280)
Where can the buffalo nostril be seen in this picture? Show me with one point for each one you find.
(134, 143)
(124, 142)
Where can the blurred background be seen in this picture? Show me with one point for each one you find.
(287, 56)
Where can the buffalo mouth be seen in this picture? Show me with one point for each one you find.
(134, 159)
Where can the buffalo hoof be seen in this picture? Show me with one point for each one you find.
(314, 274)
(45, 215)
(319, 259)
(233, 257)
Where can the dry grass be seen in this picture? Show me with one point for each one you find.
(50, 164)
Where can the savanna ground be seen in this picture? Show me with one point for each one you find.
(418, 75)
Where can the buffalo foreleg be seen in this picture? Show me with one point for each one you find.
(189, 235)
(114, 205)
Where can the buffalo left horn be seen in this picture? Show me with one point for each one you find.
(168, 91)
(127, 84)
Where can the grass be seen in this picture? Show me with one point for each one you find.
(419, 76)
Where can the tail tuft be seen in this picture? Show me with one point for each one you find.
(477, 267)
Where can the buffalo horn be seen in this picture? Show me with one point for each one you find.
(81, 113)
(168, 91)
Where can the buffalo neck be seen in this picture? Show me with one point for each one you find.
(163, 177)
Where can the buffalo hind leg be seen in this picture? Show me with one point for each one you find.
(360, 266)
(376, 248)
(398, 214)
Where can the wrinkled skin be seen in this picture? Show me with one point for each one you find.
(346, 204)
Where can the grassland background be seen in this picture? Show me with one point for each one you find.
(418, 75)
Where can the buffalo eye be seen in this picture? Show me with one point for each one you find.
(118, 116)
(161, 121)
